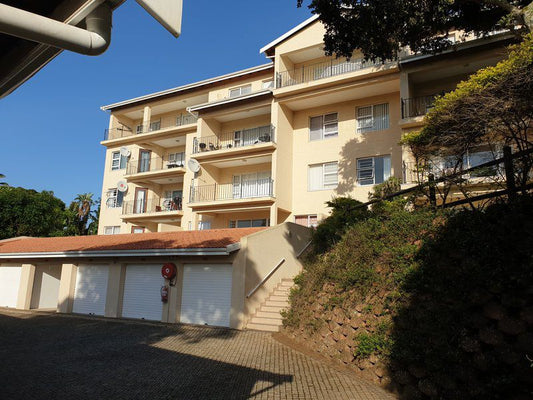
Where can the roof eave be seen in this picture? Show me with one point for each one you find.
(204, 106)
(288, 34)
(195, 85)
(215, 251)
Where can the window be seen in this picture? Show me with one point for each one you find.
(268, 84)
(118, 161)
(111, 230)
(373, 170)
(306, 220)
(255, 184)
(176, 160)
(249, 223)
(240, 91)
(323, 127)
(323, 176)
(373, 118)
(114, 198)
(137, 229)
(139, 129)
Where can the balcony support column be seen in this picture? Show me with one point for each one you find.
(273, 215)
(147, 116)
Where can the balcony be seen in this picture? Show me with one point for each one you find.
(247, 192)
(159, 170)
(322, 70)
(152, 209)
(417, 106)
(153, 127)
(236, 141)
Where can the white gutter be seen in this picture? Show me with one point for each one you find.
(222, 251)
(93, 41)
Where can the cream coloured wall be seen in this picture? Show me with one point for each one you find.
(222, 92)
(345, 149)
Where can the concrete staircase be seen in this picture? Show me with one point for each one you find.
(267, 317)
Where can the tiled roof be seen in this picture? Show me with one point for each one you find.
(206, 239)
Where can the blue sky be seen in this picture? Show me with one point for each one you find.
(52, 125)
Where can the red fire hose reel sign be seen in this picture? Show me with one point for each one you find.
(168, 271)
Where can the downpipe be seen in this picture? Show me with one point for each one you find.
(92, 41)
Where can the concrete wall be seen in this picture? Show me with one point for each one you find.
(260, 253)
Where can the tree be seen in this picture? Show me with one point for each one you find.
(493, 107)
(380, 28)
(26, 212)
(2, 176)
(94, 218)
(78, 215)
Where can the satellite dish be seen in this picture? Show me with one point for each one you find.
(125, 152)
(193, 165)
(122, 186)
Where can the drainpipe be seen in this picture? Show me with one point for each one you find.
(93, 41)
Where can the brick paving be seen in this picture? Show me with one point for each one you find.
(46, 356)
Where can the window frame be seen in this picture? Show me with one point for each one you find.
(323, 165)
(240, 89)
(115, 230)
(373, 158)
(116, 196)
(372, 128)
(324, 124)
(308, 216)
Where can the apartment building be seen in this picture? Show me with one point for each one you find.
(273, 143)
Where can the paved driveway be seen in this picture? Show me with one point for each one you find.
(46, 356)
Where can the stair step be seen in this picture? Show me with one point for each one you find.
(276, 303)
(262, 327)
(266, 321)
(277, 292)
(267, 314)
(277, 298)
(286, 283)
(275, 309)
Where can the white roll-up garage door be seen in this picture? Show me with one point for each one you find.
(9, 285)
(91, 289)
(142, 292)
(46, 287)
(206, 294)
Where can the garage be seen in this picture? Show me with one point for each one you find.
(91, 289)
(9, 285)
(142, 292)
(46, 287)
(206, 296)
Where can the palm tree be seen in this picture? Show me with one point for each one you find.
(2, 176)
(83, 203)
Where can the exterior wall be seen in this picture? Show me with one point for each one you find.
(222, 91)
(260, 253)
(345, 148)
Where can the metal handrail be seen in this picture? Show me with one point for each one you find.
(266, 278)
(156, 163)
(228, 191)
(321, 70)
(417, 106)
(151, 205)
(235, 139)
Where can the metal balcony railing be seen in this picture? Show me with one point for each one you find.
(239, 138)
(153, 126)
(417, 106)
(230, 191)
(155, 163)
(151, 205)
(326, 69)
(116, 133)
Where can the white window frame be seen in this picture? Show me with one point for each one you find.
(112, 230)
(331, 122)
(370, 128)
(372, 169)
(155, 125)
(113, 198)
(267, 84)
(247, 89)
(118, 161)
(177, 158)
(324, 174)
(308, 216)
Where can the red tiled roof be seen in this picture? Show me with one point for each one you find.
(206, 239)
